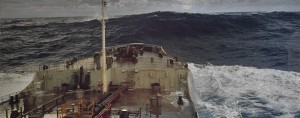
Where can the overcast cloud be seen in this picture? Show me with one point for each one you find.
(57, 8)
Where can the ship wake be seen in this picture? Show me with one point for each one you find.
(238, 91)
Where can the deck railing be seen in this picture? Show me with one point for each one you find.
(57, 101)
(140, 65)
(92, 65)
(5, 98)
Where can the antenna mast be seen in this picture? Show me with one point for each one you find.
(104, 79)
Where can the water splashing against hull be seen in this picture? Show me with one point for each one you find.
(237, 91)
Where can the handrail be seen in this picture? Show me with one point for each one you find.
(5, 98)
(53, 103)
(170, 54)
(106, 103)
(91, 65)
(86, 65)
(43, 106)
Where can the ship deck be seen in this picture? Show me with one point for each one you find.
(153, 66)
(139, 99)
(137, 102)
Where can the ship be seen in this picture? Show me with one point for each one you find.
(133, 80)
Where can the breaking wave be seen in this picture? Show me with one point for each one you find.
(239, 91)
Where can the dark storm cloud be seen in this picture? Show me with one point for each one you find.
(49, 8)
(46, 8)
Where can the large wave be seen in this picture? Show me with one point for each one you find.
(238, 91)
(267, 40)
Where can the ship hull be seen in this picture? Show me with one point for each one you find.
(143, 80)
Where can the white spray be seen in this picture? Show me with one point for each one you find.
(231, 90)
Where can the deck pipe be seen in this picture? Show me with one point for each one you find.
(81, 77)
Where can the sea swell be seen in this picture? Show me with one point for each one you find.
(239, 45)
(264, 40)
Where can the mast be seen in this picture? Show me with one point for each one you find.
(104, 79)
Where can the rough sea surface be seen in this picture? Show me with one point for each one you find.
(243, 64)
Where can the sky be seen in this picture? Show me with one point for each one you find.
(65, 8)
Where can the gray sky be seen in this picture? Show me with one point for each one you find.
(56, 8)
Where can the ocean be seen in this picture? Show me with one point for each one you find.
(244, 64)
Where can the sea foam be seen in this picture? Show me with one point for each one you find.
(238, 91)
